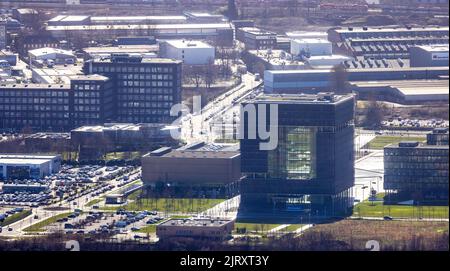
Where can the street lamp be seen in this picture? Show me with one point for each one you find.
(363, 188)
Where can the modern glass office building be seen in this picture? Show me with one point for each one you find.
(86, 101)
(415, 171)
(144, 89)
(312, 168)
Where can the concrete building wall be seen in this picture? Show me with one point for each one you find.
(191, 170)
(315, 47)
(190, 55)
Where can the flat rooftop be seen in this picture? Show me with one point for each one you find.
(187, 44)
(18, 159)
(196, 222)
(155, 27)
(320, 98)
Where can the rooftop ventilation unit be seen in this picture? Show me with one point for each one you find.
(408, 144)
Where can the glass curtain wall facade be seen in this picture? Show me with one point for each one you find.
(295, 157)
(312, 168)
(417, 173)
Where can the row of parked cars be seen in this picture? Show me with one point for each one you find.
(26, 198)
(133, 217)
(3, 216)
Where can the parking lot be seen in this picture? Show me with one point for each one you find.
(69, 184)
(415, 123)
(121, 224)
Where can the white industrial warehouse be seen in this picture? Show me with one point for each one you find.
(191, 52)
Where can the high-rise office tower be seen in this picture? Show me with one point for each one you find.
(311, 170)
(144, 89)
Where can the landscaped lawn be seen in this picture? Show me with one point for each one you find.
(292, 228)
(41, 225)
(93, 202)
(258, 227)
(15, 217)
(378, 209)
(169, 205)
(380, 142)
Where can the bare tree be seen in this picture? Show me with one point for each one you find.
(340, 79)
(193, 74)
(374, 113)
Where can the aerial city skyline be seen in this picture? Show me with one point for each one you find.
(285, 125)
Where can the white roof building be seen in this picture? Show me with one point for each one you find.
(57, 55)
(313, 47)
(191, 52)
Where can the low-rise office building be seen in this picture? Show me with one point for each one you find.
(191, 52)
(198, 228)
(256, 39)
(202, 167)
(19, 166)
(416, 171)
(429, 55)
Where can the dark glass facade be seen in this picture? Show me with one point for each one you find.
(416, 173)
(86, 101)
(312, 168)
(144, 89)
